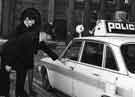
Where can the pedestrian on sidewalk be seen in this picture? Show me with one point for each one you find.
(19, 51)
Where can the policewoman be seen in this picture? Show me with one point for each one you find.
(19, 51)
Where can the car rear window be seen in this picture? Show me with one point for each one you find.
(128, 52)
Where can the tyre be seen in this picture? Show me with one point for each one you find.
(105, 96)
(45, 80)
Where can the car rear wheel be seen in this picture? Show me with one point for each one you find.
(45, 80)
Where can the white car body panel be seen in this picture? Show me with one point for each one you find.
(79, 79)
(59, 74)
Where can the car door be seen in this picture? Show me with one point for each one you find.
(62, 78)
(110, 74)
(87, 81)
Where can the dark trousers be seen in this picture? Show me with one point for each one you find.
(30, 80)
(20, 82)
(4, 83)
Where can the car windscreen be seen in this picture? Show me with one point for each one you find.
(128, 52)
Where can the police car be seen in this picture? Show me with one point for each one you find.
(102, 65)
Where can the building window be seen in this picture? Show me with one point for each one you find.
(95, 1)
(110, 1)
(79, 4)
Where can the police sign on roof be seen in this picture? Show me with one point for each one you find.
(105, 28)
(119, 27)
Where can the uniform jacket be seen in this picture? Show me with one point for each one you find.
(19, 51)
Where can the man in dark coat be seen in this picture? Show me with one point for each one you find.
(19, 51)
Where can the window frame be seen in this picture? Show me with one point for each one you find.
(129, 43)
(104, 64)
(93, 41)
(69, 45)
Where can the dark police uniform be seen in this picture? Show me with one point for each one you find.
(19, 53)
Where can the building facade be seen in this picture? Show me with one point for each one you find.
(65, 14)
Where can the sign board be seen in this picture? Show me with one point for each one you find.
(120, 27)
(113, 28)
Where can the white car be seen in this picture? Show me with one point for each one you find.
(95, 66)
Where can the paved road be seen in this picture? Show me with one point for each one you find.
(37, 87)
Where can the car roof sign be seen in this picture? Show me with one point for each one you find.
(114, 28)
(120, 27)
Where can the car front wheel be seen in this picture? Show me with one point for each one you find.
(45, 80)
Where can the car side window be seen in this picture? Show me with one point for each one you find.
(110, 62)
(92, 53)
(73, 51)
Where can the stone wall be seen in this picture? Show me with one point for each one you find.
(67, 10)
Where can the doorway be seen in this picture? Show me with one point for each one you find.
(60, 29)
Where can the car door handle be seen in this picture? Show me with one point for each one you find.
(72, 68)
(95, 74)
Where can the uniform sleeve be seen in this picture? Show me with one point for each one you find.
(42, 45)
